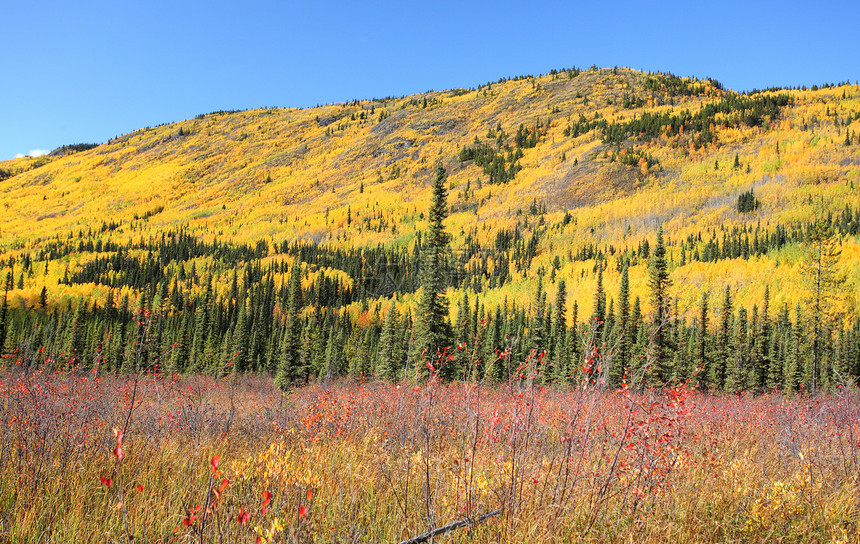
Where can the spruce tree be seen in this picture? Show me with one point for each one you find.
(659, 282)
(853, 347)
(558, 332)
(463, 332)
(598, 316)
(3, 312)
(737, 363)
(609, 334)
(621, 359)
(779, 350)
(320, 335)
(202, 329)
(288, 364)
(701, 358)
(402, 343)
(724, 343)
(433, 330)
(496, 366)
(794, 362)
(74, 341)
(387, 366)
(763, 342)
(538, 333)
(238, 350)
(823, 250)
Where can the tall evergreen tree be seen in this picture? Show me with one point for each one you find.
(463, 332)
(724, 343)
(238, 350)
(558, 331)
(74, 344)
(497, 368)
(823, 249)
(794, 362)
(762, 343)
(387, 366)
(538, 332)
(202, 329)
(621, 359)
(739, 357)
(433, 330)
(598, 316)
(780, 340)
(659, 282)
(3, 312)
(288, 365)
(701, 359)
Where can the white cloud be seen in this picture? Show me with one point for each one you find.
(32, 153)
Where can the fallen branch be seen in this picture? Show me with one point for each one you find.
(451, 526)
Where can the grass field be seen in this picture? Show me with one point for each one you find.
(203, 459)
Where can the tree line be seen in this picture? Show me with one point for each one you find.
(180, 305)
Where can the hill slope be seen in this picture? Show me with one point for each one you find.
(548, 176)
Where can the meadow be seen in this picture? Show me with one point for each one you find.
(88, 457)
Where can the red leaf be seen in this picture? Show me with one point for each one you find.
(215, 460)
(118, 453)
(267, 498)
(303, 511)
(139, 488)
(243, 517)
(107, 481)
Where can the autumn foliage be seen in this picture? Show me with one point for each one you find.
(205, 460)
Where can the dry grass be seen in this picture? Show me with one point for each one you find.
(377, 462)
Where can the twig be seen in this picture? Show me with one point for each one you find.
(451, 526)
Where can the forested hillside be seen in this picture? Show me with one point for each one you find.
(600, 224)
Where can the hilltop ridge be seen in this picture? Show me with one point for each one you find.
(319, 158)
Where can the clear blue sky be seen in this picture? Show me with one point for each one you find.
(86, 71)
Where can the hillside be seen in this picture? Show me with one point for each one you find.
(548, 176)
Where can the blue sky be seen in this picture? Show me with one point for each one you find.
(87, 71)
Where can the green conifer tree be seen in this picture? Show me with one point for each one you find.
(659, 282)
(75, 334)
(558, 331)
(779, 346)
(387, 366)
(702, 361)
(762, 355)
(3, 312)
(724, 344)
(538, 332)
(433, 330)
(288, 363)
(598, 315)
(739, 357)
(621, 359)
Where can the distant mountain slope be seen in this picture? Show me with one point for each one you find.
(557, 173)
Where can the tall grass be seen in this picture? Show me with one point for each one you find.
(234, 460)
